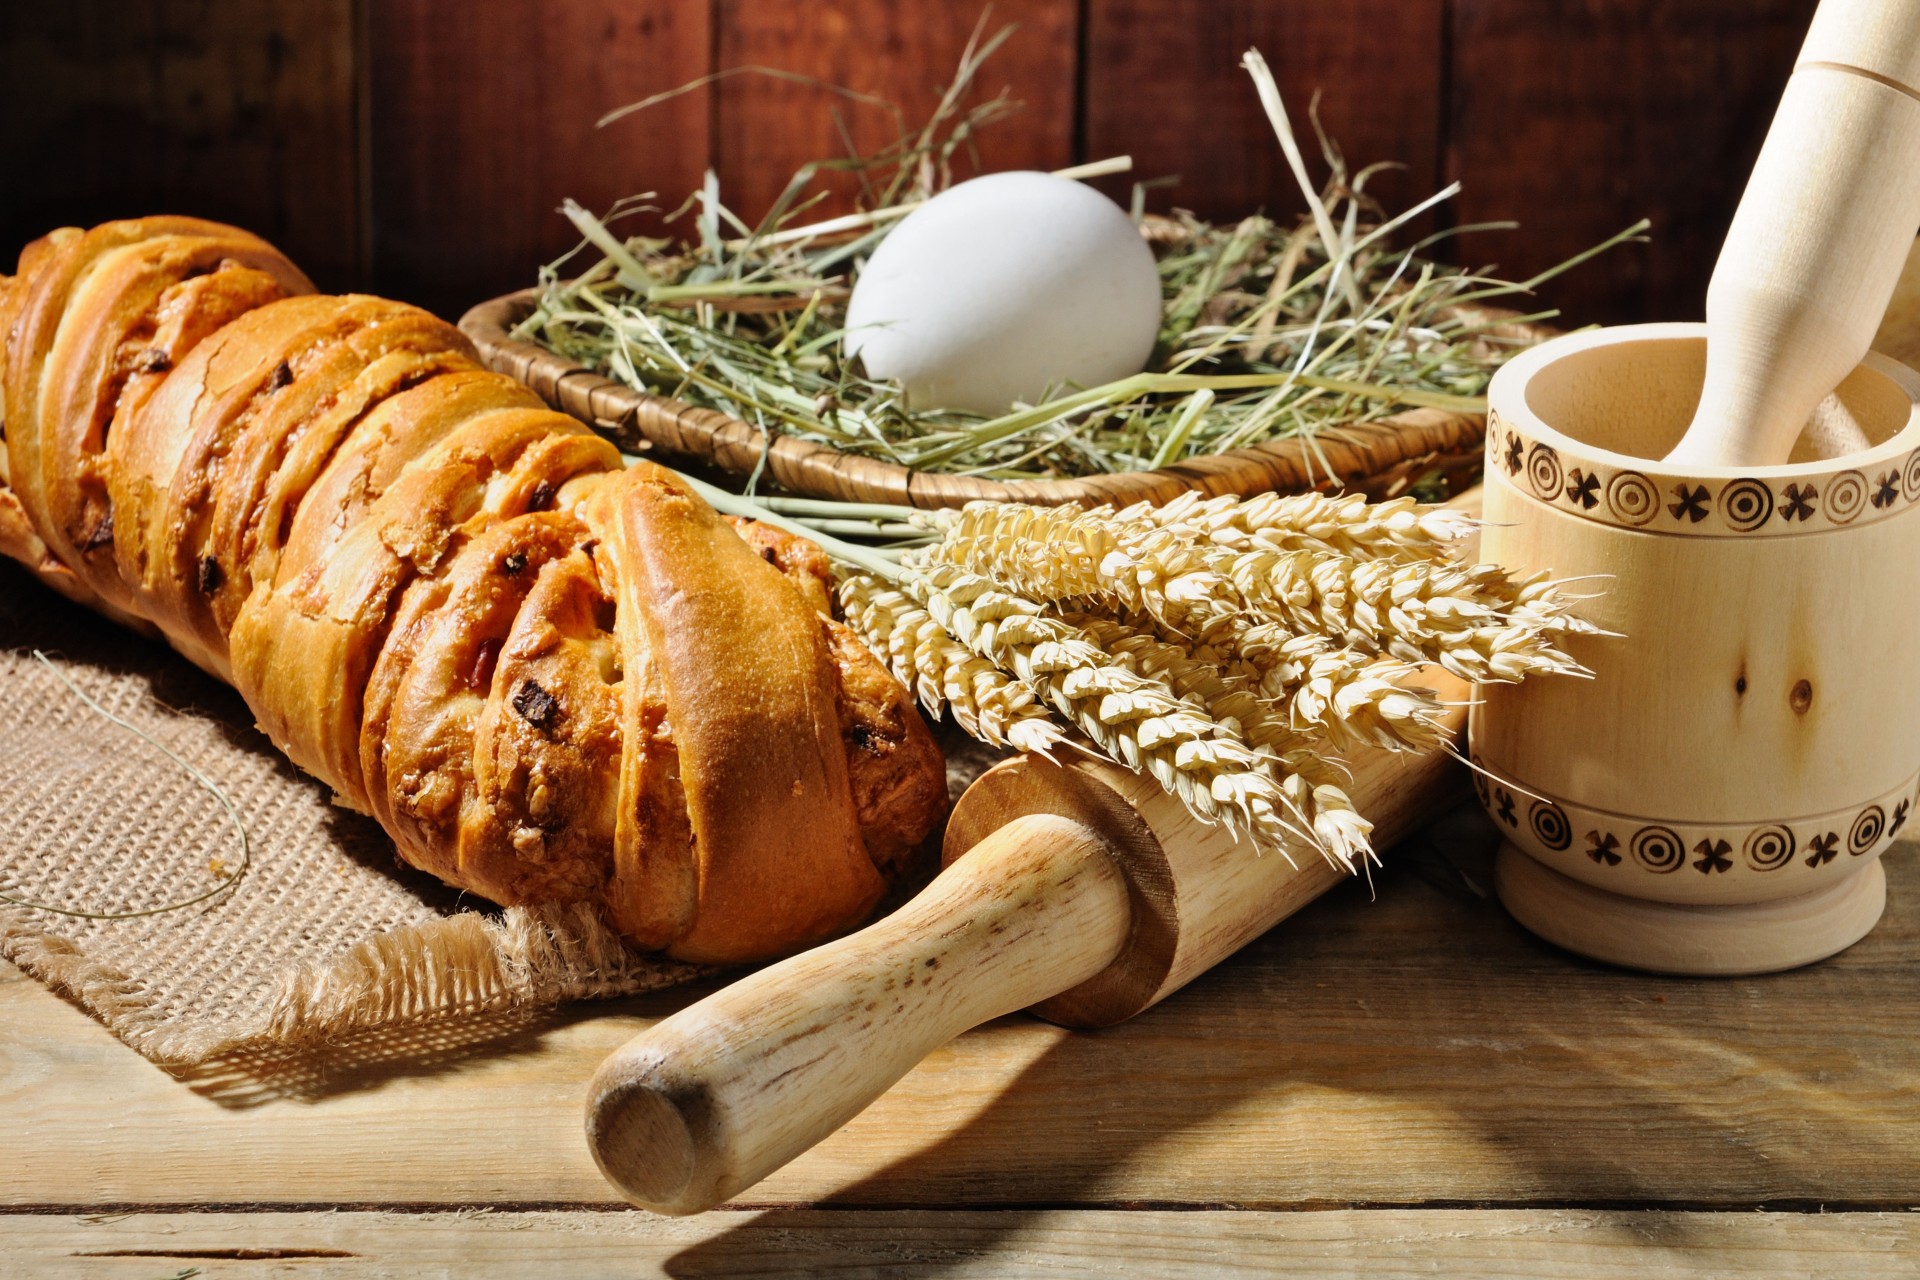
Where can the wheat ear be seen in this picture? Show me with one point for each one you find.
(1351, 699)
(1063, 554)
(1471, 619)
(1204, 763)
(1309, 782)
(986, 702)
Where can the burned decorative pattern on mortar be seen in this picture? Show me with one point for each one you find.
(1549, 824)
(1624, 846)
(1799, 502)
(1693, 502)
(1632, 498)
(1713, 856)
(1747, 504)
(1846, 497)
(1769, 848)
(1658, 849)
(1543, 472)
(1583, 489)
(1503, 806)
(1866, 830)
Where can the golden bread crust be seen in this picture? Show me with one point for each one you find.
(755, 722)
(91, 322)
(550, 678)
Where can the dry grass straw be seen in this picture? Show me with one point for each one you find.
(1270, 328)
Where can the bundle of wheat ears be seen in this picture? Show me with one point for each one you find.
(1230, 648)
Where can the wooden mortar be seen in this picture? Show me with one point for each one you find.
(1715, 800)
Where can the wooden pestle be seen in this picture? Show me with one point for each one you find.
(1818, 241)
(1080, 889)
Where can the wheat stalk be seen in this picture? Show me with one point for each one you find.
(1054, 553)
(1194, 674)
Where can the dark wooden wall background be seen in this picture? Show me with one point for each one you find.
(419, 147)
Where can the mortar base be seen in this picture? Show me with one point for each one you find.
(1707, 941)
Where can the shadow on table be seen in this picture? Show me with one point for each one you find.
(1498, 1072)
(373, 1059)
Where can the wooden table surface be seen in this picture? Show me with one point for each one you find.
(1403, 1085)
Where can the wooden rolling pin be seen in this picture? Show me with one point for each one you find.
(1818, 241)
(1082, 890)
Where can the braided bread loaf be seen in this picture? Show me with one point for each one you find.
(549, 677)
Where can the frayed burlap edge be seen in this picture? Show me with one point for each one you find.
(528, 957)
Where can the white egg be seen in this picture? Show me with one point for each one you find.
(1006, 288)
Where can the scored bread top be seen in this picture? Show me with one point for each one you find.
(114, 306)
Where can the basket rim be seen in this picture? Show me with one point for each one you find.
(1349, 455)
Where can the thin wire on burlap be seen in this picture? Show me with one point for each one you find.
(326, 936)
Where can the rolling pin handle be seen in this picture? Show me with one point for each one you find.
(711, 1100)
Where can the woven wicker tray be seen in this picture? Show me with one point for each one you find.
(1375, 457)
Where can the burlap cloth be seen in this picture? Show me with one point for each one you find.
(324, 937)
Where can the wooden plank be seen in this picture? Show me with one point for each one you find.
(1415, 1049)
(1378, 1244)
(1163, 82)
(902, 52)
(1578, 116)
(241, 110)
(482, 122)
